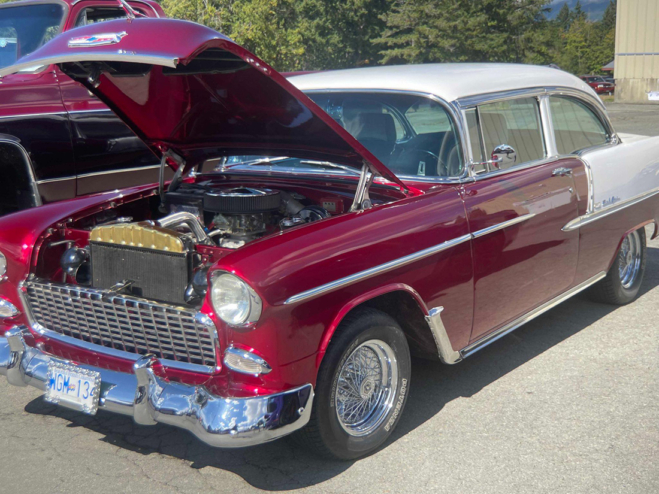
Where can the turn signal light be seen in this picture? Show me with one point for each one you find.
(245, 362)
(7, 309)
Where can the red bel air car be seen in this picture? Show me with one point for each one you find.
(57, 140)
(356, 218)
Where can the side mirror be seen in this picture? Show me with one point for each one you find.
(504, 156)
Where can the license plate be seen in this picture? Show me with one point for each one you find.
(73, 387)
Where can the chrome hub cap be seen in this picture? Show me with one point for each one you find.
(366, 387)
(630, 259)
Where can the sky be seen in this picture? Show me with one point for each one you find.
(594, 8)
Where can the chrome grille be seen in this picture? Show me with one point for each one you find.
(123, 323)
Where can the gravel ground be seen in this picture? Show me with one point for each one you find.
(567, 403)
(634, 119)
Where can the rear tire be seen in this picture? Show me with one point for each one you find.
(362, 387)
(623, 281)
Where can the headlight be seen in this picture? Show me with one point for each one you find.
(234, 301)
(3, 264)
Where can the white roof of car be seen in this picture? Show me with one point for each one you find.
(450, 81)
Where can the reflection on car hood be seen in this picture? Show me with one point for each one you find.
(189, 90)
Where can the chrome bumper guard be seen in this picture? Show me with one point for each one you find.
(217, 421)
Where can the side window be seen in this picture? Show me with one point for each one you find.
(576, 126)
(515, 123)
(427, 117)
(93, 15)
(8, 46)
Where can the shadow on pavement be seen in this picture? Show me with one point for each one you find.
(282, 465)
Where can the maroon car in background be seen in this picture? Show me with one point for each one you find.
(599, 85)
(57, 140)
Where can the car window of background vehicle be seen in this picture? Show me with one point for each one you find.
(93, 15)
(25, 28)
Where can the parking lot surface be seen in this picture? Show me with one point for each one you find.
(567, 403)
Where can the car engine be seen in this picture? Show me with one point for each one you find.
(159, 260)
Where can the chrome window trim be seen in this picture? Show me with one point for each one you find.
(591, 102)
(586, 219)
(201, 318)
(501, 226)
(453, 112)
(30, 167)
(382, 268)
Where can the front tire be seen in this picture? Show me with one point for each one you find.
(623, 281)
(362, 387)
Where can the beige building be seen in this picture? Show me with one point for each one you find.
(637, 51)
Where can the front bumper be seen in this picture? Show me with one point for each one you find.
(217, 421)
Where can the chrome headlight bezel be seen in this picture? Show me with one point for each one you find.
(253, 306)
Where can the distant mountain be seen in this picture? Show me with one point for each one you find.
(594, 8)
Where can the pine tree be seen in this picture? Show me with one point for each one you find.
(564, 17)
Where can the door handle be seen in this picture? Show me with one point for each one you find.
(561, 172)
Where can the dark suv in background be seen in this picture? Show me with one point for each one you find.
(57, 141)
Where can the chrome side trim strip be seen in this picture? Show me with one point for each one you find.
(446, 353)
(396, 263)
(52, 180)
(122, 170)
(603, 213)
(520, 321)
(501, 226)
(100, 110)
(27, 115)
(98, 174)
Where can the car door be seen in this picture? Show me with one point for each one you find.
(108, 154)
(516, 209)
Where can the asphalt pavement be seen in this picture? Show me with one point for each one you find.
(568, 403)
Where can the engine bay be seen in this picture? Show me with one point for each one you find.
(160, 247)
(234, 216)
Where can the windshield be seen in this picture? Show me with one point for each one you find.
(412, 135)
(25, 28)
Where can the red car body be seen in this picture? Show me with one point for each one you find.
(599, 85)
(68, 139)
(458, 263)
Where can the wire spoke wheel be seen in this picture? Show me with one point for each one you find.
(366, 387)
(629, 265)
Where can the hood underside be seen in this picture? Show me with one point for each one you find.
(187, 89)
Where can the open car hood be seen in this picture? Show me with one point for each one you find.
(186, 89)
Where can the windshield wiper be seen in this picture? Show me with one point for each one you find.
(329, 164)
(267, 161)
(263, 161)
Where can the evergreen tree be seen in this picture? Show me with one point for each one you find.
(564, 17)
(578, 13)
(421, 31)
(608, 21)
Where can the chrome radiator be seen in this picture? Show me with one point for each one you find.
(123, 323)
